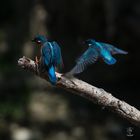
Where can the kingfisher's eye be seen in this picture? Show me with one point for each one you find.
(38, 41)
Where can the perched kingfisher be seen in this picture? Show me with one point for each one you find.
(96, 50)
(50, 56)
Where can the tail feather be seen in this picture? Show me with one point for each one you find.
(51, 75)
(119, 51)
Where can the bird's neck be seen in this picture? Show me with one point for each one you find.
(43, 42)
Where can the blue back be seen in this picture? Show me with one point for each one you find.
(46, 52)
(51, 54)
(106, 56)
(106, 52)
(112, 49)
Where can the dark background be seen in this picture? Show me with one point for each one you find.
(30, 109)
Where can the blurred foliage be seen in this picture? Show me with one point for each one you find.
(30, 109)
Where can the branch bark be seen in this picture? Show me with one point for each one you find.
(81, 88)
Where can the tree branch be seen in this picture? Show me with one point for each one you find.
(81, 88)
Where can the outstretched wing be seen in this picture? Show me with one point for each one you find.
(57, 55)
(113, 49)
(46, 54)
(88, 57)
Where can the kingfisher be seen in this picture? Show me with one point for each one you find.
(50, 56)
(95, 51)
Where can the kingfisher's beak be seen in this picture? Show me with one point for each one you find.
(33, 40)
(84, 42)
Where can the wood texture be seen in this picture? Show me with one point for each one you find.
(81, 88)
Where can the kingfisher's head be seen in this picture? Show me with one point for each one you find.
(90, 42)
(39, 39)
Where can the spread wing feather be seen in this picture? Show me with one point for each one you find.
(89, 57)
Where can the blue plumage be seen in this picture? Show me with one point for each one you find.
(51, 74)
(50, 56)
(96, 50)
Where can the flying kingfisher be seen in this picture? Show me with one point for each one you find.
(50, 56)
(96, 50)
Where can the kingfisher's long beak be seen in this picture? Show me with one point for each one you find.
(84, 42)
(33, 40)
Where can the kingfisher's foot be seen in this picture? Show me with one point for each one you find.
(36, 60)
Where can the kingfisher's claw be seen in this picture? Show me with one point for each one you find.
(36, 60)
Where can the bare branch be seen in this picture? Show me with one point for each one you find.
(81, 88)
